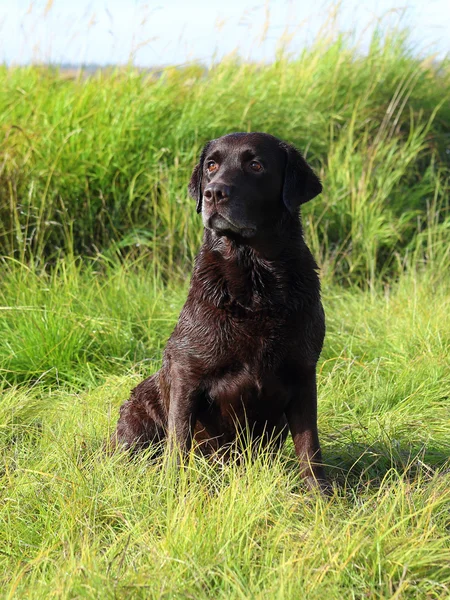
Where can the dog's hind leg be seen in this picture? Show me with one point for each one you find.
(142, 422)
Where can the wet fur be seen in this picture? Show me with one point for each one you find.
(241, 362)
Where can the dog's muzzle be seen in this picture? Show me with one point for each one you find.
(222, 226)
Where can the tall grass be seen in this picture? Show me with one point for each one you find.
(76, 523)
(96, 238)
(101, 163)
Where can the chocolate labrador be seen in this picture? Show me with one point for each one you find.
(241, 362)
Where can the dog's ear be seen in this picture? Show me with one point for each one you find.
(300, 182)
(195, 183)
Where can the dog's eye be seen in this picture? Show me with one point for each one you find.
(256, 166)
(211, 166)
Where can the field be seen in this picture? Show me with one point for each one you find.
(97, 237)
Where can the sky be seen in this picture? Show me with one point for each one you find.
(173, 32)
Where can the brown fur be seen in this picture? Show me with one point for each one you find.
(243, 355)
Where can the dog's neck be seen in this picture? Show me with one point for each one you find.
(232, 273)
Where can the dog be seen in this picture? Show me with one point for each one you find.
(241, 361)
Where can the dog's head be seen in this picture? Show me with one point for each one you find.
(245, 182)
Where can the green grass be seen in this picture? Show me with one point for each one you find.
(76, 523)
(101, 163)
(97, 235)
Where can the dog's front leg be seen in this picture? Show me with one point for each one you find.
(301, 414)
(183, 407)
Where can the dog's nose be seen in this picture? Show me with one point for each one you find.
(219, 192)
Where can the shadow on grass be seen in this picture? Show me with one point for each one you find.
(367, 465)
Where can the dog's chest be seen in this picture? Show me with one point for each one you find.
(244, 337)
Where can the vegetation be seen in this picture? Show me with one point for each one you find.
(101, 163)
(97, 235)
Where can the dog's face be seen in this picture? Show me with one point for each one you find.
(245, 182)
